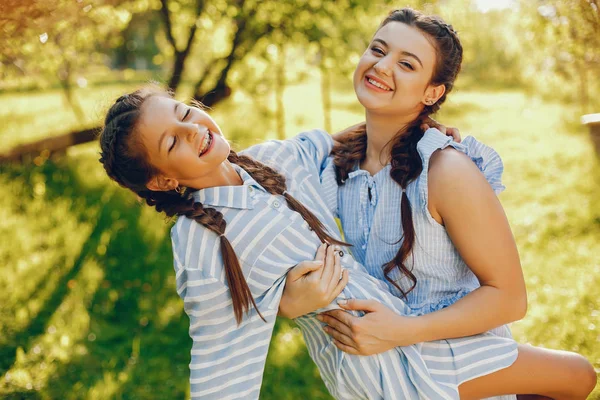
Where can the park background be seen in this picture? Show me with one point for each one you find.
(89, 307)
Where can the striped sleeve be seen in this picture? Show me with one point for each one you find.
(314, 147)
(227, 359)
(310, 148)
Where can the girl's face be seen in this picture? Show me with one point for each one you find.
(184, 143)
(393, 75)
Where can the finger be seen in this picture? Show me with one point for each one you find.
(455, 134)
(362, 305)
(320, 256)
(337, 325)
(340, 337)
(304, 268)
(442, 129)
(340, 285)
(341, 321)
(327, 271)
(345, 348)
(424, 127)
(337, 271)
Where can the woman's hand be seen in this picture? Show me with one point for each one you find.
(432, 123)
(379, 330)
(313, 284)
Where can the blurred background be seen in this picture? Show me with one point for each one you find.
(89, 307)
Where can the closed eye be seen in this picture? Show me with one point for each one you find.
(174, 141)
(186, 114)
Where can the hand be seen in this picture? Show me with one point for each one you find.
(375, 332)
(313, 284)
(432, 123)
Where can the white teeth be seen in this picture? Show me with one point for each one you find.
(379, 85)
(205, 143)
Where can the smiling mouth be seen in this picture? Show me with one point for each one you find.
(377, 84)
(206, 144)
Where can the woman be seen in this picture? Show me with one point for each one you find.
(421, 217)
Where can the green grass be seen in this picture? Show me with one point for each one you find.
(89, 308)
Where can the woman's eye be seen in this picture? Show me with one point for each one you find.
(377, 50)
(174, 141)
(186, 114)
(407, 65)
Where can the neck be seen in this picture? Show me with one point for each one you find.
(381, 129)
(224, 175)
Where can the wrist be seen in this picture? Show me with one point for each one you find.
(416, 327)
(284, 310)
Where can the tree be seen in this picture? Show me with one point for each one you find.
(568, 33)
(55, 40)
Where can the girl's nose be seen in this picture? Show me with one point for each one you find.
(191, 132)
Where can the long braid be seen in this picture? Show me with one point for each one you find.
(406, 163)
(275, 183)
(351, 150)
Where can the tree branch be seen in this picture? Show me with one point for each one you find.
(164, 12)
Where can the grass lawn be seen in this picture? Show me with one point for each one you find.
(83, 318)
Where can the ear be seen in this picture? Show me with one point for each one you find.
(161, 183)
(432, 94)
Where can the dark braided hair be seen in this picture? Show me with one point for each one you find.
(126, 161)
(405, 160)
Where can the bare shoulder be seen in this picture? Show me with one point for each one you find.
(449, 167)
(454, 179)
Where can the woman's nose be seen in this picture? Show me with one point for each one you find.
(382, 67)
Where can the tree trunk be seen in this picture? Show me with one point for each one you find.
(177, 70)
(46, 147)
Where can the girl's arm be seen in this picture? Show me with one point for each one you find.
(462, 200)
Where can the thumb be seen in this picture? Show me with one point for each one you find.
(304, 268)
(360, 305)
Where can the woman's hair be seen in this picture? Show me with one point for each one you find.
(405, 159)
(126, 161)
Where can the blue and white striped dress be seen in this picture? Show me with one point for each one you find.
(227, 360)
(373, 225)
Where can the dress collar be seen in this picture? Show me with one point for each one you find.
(231, 196)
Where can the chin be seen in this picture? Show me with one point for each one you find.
(368, 102)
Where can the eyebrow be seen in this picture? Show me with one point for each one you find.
(162, 137)
(406, 53)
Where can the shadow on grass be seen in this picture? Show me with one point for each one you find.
(131, 349)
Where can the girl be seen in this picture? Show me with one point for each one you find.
(421, 217)
(243, 225)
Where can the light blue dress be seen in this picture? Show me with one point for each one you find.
(369, 210)
(227, 360)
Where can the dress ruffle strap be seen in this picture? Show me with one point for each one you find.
(485, 158)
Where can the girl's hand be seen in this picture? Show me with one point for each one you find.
(313, 284)
(379, 330)
(432, 123)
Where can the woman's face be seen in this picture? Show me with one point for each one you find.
(394, 73)
(184, 143)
